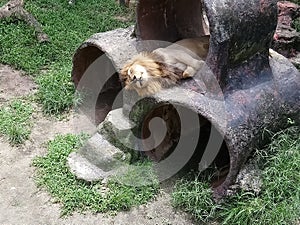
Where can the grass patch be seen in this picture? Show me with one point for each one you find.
(296, 22)
(194, 196)
(296, 1)
(73, 194)
(67, 27)
(278, 203)
(15, 121)
(56, 91)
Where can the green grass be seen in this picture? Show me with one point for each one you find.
(56, 91)
(278, 202)
(296, 1)
(77, 195)
(194, 196)
(15, 121)
(296, 22)
(67, 27)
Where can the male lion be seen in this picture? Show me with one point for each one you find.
(148, 72)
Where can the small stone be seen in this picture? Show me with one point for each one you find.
(250, 177)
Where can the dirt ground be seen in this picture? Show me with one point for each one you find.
(21, 202)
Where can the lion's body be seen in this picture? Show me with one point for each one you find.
(149, 72)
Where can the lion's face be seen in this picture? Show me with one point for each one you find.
(140, 72)
(143, 74)
(138, 76)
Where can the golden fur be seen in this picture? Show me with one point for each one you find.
(149, 72)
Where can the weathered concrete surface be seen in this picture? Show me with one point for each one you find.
(118, 46)
(117, 129)
(242, 115)
(260, 88)
(95, 66)
(245, 88)
(235, 38)
(287, 39)
(96, 160)
(85, 170)
(170, 20)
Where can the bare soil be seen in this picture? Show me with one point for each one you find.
(22, 202)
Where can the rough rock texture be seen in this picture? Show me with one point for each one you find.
(117, 129)
(96, 160)
(287, 39)
(118, 46)
(296, 59)
(249, 178)
(170, 20)
(85, 170)
(259, 91)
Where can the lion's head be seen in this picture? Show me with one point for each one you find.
(136, 75)
(147, 74)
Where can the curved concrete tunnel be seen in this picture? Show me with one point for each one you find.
(251, 84)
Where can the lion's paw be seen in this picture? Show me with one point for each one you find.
(185, 74)
(189, 72)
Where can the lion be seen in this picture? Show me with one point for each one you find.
(148, 72)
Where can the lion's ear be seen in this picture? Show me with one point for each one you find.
(124, 70)
(124, 74)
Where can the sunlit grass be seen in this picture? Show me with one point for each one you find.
(78, 195)
(15, 121)
(278, 202)
(67, 27)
